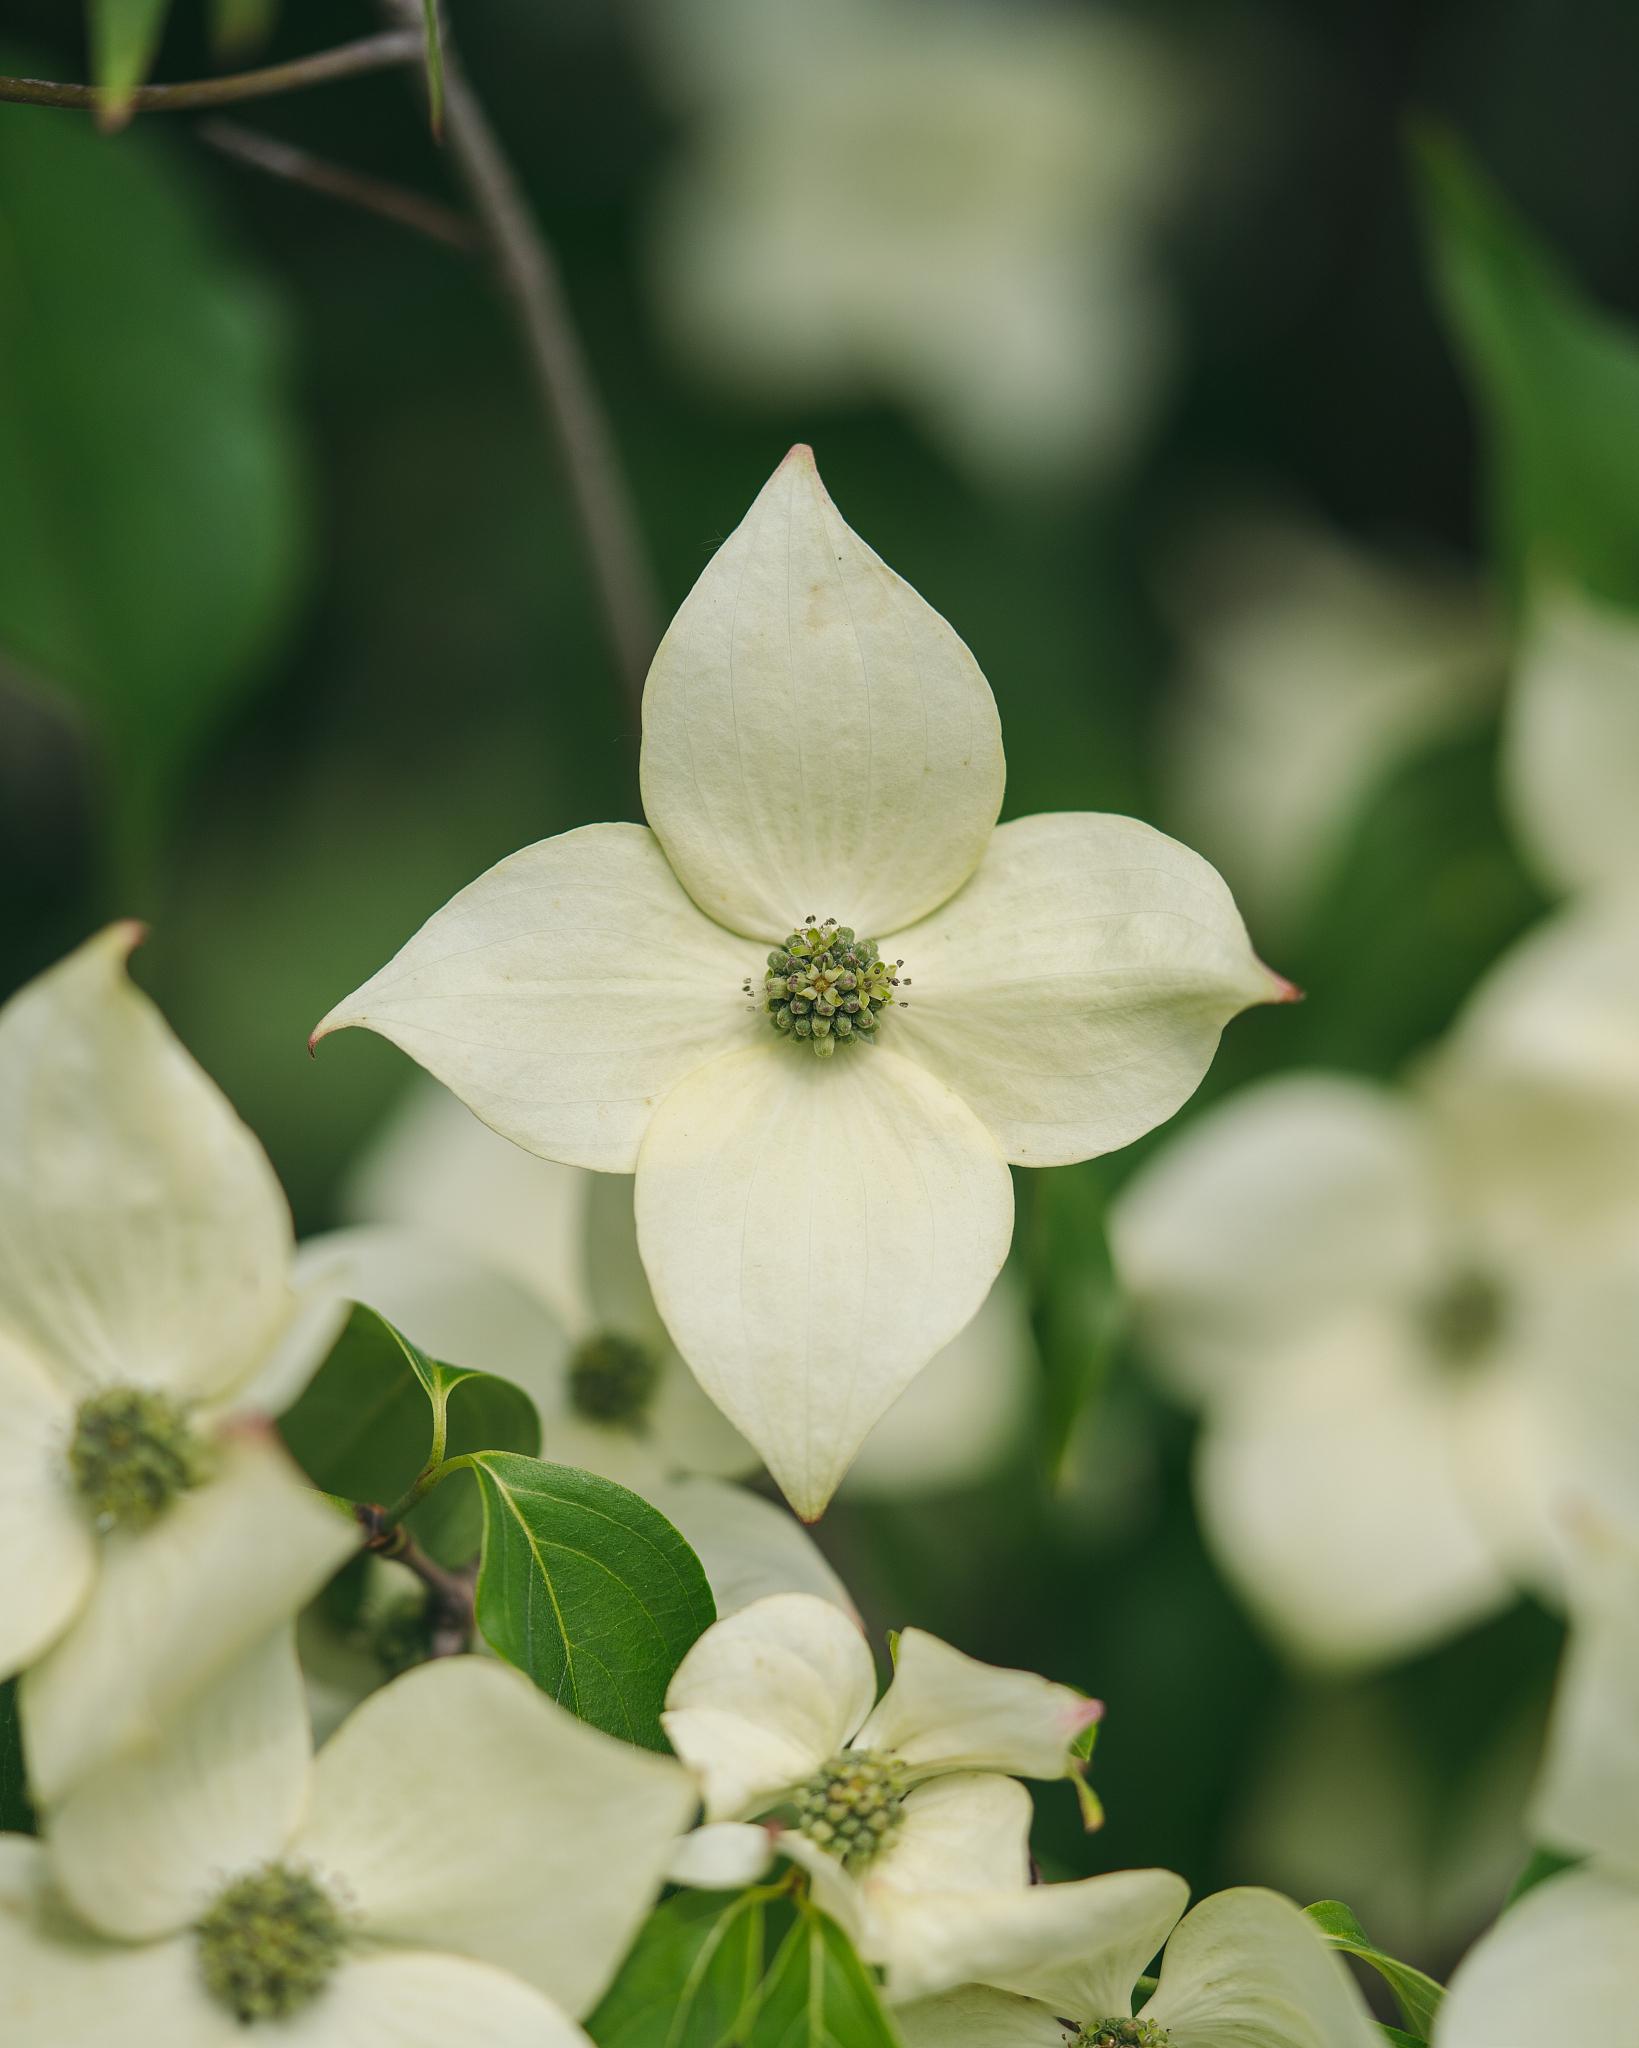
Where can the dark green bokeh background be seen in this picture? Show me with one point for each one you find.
(440, 695)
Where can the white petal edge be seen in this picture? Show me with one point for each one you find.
(765, 1696)
(816, 739)
(946, 1711)
(976, 2017)
(143, 1235)
(562, 993)
(1074, 992)
(48, 1550)
(59, 1986)
(552, 1839)
(1297, 1198)
(772, 1188)
(141, 1847)
(722, 1856)
(1561, 1964)
(750, 1547)
(1246, 1969)
(1571, 738)
(406, 1999)
(1330, 1490)
(174, 1606)
(1588, 1797)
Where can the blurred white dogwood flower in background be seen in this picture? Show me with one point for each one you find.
(462, 1860)
(1381, 1298)
(954, 205)
(1310, 668)
(150, 1527)
(823, 1198)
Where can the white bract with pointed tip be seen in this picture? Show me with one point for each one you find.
(1398, 1307)
(149, 1529)
(904, 1810)
(1245, 1969)
(822, 769)
(463, 1860)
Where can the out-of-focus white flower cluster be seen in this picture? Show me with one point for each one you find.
(948, 202)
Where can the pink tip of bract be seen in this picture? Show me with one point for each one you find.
(1285, 991)
(802, 455)
(131, 932)
(1084, 1713)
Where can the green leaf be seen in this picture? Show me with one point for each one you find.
(149, 490)
(1540, 1865)
(240, 26)
(16, 1810)
(1557, 380)
(691, 1981)
(124, 40)
(818, 1994)
(435, 65)
(1418, 1996)
(371, 1419)
(1077, 1309)
(588, 1589)
(1398, 2039)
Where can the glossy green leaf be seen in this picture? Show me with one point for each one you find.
(692, 1978)
(16, 1812)
(588, 1589)
(1556, 378)
(1417, 1995)
(1077, 1311)
(239, 27)
(149, 478)
(123, 36)
(369, 1422)
(818, 1994)
(1398, 2038)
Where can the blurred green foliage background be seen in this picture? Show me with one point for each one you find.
(296, 637)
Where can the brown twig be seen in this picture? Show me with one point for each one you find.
(346, 60)
(450, 1612)
(529, 274)
(338, 181)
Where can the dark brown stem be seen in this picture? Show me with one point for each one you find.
(529, 274)
(347, 60)
(337, 181)
(450, 1616)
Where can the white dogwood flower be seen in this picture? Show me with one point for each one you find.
(1571, 739)
(1564, 1959)
(904, 1810)
(149, 1528)
(718, 1004)
(1244, 1968)
(1311, 669)
(462, 1860)
(1380, 1296)
(952, 206)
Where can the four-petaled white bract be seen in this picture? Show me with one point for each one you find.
(1404, 1310)
(818, 744)
(479, 1859)
(145, 1253)
(1245, 1969)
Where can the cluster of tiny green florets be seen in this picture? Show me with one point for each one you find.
(826, 987)
(134, 1450)
(1123, 2034)
(852, 1805)
(269, 1944)
(1465, 1318)
(612, 1378)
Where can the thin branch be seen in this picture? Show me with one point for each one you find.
(450, 1612)
(529, 273)
(337, 181)
(347, 60)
